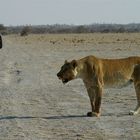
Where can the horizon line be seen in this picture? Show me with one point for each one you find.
(104, 23)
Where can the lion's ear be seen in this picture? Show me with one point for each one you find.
(65, 62)
(74, 63)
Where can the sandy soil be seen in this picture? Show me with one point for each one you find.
(35, 105)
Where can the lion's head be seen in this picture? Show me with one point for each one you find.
(68, 71)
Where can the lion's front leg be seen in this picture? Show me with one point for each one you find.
(91, 95)
(95, 95)
(98, 91)
(98, 105)
(96, 111)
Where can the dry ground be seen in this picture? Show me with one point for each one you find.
(35, 105)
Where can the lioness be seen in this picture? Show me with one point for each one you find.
(97, 72)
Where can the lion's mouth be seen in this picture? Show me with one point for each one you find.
(65, 81)
(59, 78)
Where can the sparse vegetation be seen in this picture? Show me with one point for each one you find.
(3, 29)
(57, 28)
(25, 31)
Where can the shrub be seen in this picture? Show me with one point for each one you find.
(25, 31)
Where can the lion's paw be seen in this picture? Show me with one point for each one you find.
(132, 112)
(93, 114)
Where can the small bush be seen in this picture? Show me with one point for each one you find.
(25, 31)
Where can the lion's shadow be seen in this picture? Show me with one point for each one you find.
(15, 117)
(33, 117)
(58, 117)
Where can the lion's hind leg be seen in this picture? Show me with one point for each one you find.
(137, 109)
(136, 77)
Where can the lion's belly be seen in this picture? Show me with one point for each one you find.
(116, 79)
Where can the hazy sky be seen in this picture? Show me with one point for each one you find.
(19, 12)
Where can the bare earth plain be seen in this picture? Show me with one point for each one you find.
(35, 105)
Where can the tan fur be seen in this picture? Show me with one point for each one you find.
(97, 73)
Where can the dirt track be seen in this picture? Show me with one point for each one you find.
(35, 105)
